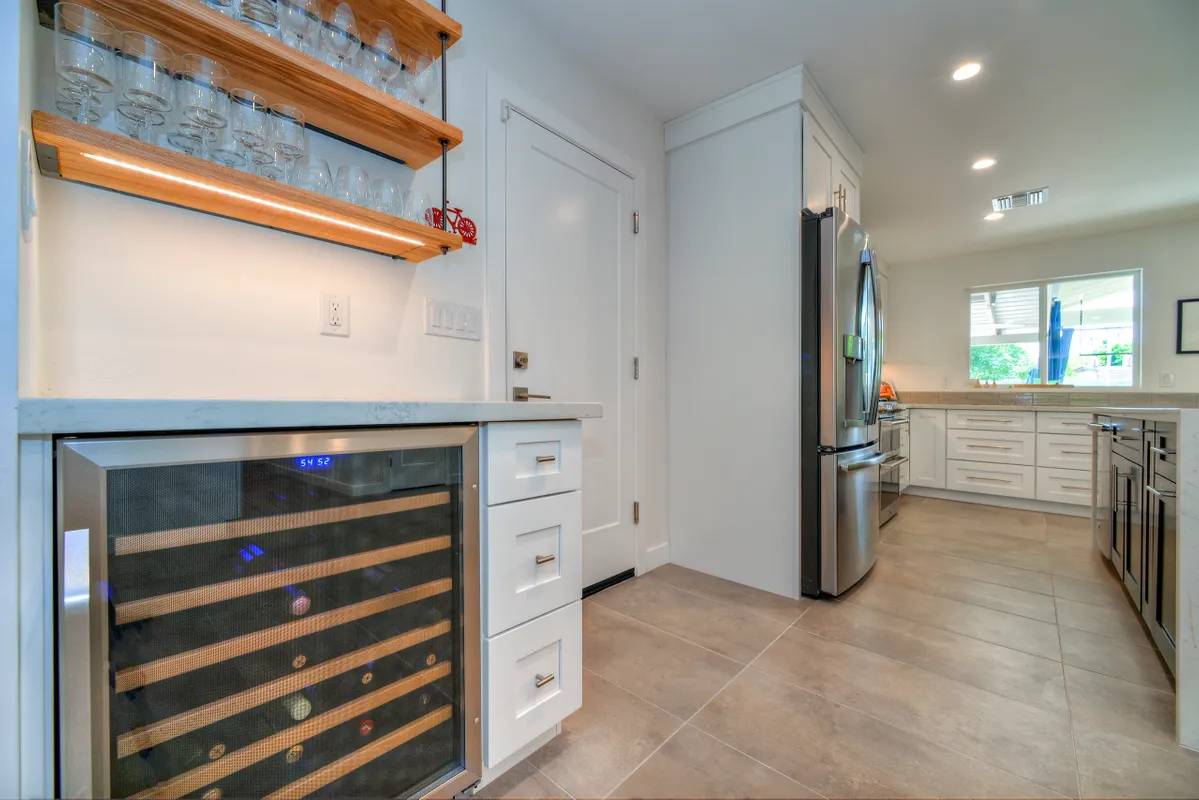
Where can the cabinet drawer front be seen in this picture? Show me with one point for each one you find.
(532, 459)
(1064, 486)
(993, 446)
(533, 552)
(1003, 479)
(1063, 422)
(534, 680)
(1062, 451)
(993, 420)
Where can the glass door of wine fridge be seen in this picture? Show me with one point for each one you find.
(280, 615)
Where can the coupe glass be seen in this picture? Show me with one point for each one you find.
(387, 197)
(147, 87)
(352, 185)
(339, 37)
(380, 56)
(288, 137)
(300, 24)
(85, 62)
(424, 79)
(202, 101)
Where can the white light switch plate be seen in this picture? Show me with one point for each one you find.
(453, 320)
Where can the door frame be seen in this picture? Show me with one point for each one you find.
(504, 98)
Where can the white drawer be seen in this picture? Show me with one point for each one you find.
(1000, 447)
(993, 420)
(1064, 486)
(1063, 422)
(546, 651)
(533, 558)
(532, 459)
(1064, 451)
(1010, 480)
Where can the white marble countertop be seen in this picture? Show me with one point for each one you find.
(66, 415)
(999, 407)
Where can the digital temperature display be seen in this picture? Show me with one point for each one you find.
(313, 463)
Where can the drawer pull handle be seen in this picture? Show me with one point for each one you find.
(988, 447)
(1076, 487)
(546, 459)
(545, 559)
(1076, 452)
(1161, 451)
(990, 419)
(986, 480)
(542, 680)
(1158, 492)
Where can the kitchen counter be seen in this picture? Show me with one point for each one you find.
(66, 416)
(1000, 407)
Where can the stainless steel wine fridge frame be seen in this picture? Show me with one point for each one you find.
(81, 524)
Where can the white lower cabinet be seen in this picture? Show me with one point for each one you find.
(1064, 451)
(1001, 447)
(534, 680)
(1064, 486)
(926, 458)
(1008, 480)
(532, 557)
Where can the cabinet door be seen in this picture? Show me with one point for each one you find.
(847, 183)
(927, 442)
(819, 157)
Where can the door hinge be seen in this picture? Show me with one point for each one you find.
(636, 222)
(636, 368)
(636, 512)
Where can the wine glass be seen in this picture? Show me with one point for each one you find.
(352, 185)
(315, 176)
(288, 137)
(381, 57)
(386, 197)
(227, 150)
(424, 78)
(226, 7)
(147, 87)
(85, 61)
(339, 37)
(249, 122)
(416, 206)
(300, 24)
(202, 101)
(262, 15)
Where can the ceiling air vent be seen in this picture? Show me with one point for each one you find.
(1029, 197)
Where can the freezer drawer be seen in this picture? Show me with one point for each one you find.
(1008, 480)
(999, 447)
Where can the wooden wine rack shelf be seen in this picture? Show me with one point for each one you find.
(330, 99)
(86, 154)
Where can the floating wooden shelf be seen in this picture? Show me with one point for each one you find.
(330, 99)
(85, 154)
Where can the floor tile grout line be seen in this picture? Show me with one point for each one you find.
(959, 633)
(631, 693)
(910, 732)
(722, 600)
(981, 580)
(701, 708)
(976, 604)
(557, 785)
(1070, 715)
(720, 741)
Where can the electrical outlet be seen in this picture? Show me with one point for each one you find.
(452, 320)
(1166, 380)
(335, 315)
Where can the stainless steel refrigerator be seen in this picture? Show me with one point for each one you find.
(840, 377)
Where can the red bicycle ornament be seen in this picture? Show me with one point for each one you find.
(463, 226)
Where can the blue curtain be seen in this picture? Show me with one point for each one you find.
(1059, 343)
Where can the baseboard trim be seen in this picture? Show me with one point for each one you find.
(1043, 506)
(606, 583)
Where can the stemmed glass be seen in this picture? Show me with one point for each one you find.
(424, 79)
(315, 176)
(416, 204)
(203, 104)
(339, 37)
(300, 24)
(249, 123)
(289, 138)
(226, 7)
(85, 60)
(381, 58)
(352, 185)
(147, 87)
(386, 197)
(262, 15)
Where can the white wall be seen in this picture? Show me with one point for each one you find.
(130, 298)
(929, 334)
(733, 352)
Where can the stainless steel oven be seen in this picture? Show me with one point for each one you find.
(892, 433)
(276, 615)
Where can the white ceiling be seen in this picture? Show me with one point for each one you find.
(1099, 99)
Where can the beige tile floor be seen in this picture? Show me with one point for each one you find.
(990, 653)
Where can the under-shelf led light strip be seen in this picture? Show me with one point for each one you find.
(262, 201)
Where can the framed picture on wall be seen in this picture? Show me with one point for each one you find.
(1188, 326)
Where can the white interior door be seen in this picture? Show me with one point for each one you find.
(570, 298)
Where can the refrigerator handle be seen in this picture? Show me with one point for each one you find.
(873, 387)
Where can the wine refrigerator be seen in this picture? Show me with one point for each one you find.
(278, 615)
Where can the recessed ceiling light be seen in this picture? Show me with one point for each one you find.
(984, 163)
(994, 215)
(967, 71)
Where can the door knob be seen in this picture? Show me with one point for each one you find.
(521, 394)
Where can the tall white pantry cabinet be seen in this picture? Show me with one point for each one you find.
(739, 173)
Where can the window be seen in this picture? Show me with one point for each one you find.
(1082, 331)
